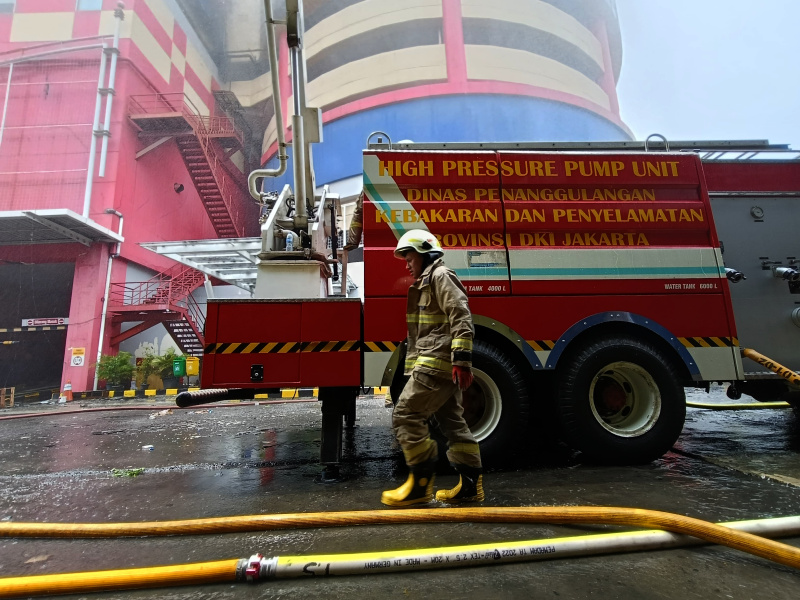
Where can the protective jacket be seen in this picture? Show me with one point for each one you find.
(440, 329)
(356, 225)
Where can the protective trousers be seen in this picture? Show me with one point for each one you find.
(424, 396)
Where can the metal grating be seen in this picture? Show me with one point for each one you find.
(51, 226)
(230, 260)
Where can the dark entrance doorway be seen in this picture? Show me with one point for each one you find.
(33, 291)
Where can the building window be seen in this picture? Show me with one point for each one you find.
(7, 6)
(90, 4)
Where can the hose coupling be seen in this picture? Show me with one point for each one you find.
(256, 568)
(787, 273)
(733, 275)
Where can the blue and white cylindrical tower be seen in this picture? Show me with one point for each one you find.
(455, 71)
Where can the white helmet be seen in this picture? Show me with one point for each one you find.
(420, 240)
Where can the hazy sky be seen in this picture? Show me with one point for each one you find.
(711, 69)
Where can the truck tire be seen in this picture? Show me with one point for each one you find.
(496, 406)
(621, 400)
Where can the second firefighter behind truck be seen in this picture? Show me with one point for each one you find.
(356, 226)
(439, 366)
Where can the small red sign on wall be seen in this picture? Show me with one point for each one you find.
(45, 321)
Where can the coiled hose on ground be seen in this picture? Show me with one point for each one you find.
(257, 567)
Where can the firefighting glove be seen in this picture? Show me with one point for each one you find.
(462, 376)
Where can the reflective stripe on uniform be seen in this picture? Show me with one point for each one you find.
(434, 363)
(461, 344)
(426, 319)
(422, 448)
(465, 448)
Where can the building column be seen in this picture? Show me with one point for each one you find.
(453, 34)
(607, 80)
(86, 305)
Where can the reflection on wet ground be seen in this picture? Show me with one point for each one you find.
(762, 443)
(264, 459)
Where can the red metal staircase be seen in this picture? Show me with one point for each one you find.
(166, 298)
(208, 185)
(206, 144)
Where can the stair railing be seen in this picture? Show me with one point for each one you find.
(205, 128)
(228, 187)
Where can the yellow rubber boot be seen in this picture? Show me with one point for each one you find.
(468, 489)
(418, 488)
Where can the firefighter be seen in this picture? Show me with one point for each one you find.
(439, 366)
(356, 226)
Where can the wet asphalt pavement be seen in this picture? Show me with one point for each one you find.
(210, 461)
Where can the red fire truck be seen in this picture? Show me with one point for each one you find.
(604, 279)
(600, 279)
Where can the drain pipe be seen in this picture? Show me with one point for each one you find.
(104, 312)
(5, 104)
(119, 16)
(256, 568)
(252, 179)
(87, 195)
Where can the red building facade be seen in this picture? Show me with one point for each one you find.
(94, 140)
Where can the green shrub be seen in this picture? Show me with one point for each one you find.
(163, 363)
(117, 370)
(154, 364)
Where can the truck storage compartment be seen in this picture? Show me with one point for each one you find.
(283, 343)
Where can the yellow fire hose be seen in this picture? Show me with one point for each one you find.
(258, 567)
(786, 373)
(121, 579)
(151, 408)
(742, 406)
(773, 366)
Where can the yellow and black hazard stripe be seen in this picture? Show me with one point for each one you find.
(709, 342)
(541, 345)
(380, 346)
(37, 328)
(294, 347)
(691, 342)
(281, 347)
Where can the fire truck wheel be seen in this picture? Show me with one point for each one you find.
(621, 401)
(497, 404)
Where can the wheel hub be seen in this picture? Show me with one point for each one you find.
(625, 399)
(482, 405)
(610, 397)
